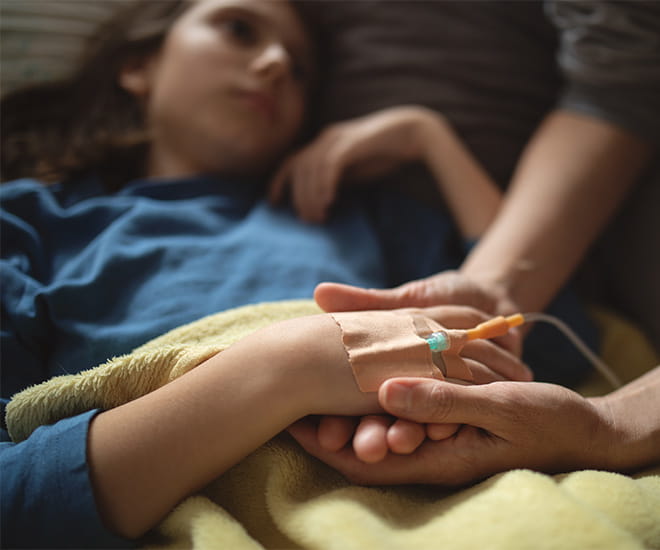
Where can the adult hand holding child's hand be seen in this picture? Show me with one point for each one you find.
(374, 436)
(503, 425)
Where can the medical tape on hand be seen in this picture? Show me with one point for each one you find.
(385, 344)
(449, 361)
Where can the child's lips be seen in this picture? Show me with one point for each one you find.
(262, 102)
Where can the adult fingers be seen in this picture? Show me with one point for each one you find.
(340, 297)
(370, 439)
(404, 436)
(432, 462)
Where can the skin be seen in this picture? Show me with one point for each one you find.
(254, 89)
(226, 93)
(547, 221)
(359, 150)
(245, 67)
(363, 148)
(506, 425)
(529, 243)
(252, 85)
(265, 376)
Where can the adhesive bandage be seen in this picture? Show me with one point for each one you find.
(385, 344)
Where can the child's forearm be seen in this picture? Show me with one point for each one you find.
(150, 453)
(472, 196)
(147, 455)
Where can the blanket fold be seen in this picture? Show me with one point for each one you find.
(280, 497)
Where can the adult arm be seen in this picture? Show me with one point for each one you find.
(552, 213)
(508, 425)
(572, 176)
(581, 162)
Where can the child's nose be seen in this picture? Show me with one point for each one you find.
(272, 62)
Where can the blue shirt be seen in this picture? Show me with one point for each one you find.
(88, 275)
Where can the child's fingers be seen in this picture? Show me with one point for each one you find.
(481, 373)
(280, 180)
(498, 360)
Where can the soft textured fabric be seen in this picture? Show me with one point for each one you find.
(42, 40)
(279, 497)
(88, 275)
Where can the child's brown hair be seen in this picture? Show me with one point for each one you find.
(55, 131)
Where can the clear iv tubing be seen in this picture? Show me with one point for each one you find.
(578, 343)
(497, 326)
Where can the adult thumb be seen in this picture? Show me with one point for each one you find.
(340, 297)
(426, 400)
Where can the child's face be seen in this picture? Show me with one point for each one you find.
(226, 93)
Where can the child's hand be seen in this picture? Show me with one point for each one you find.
(373, 437)
(362, 149)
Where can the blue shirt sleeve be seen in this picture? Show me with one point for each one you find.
(46, 494)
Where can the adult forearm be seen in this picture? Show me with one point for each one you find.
(572, 176)
(634, 413)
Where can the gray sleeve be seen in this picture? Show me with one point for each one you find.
(609, 53)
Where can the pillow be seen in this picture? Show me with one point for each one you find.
(489, 67)
(42, 39)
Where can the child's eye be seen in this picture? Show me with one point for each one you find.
(240, 29)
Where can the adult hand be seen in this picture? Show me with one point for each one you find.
(504, 425)
(448, 287)
(374, 436)
(360, 149)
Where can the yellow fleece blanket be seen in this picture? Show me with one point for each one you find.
(279, 497)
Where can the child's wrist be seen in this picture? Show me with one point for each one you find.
(312, 362)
